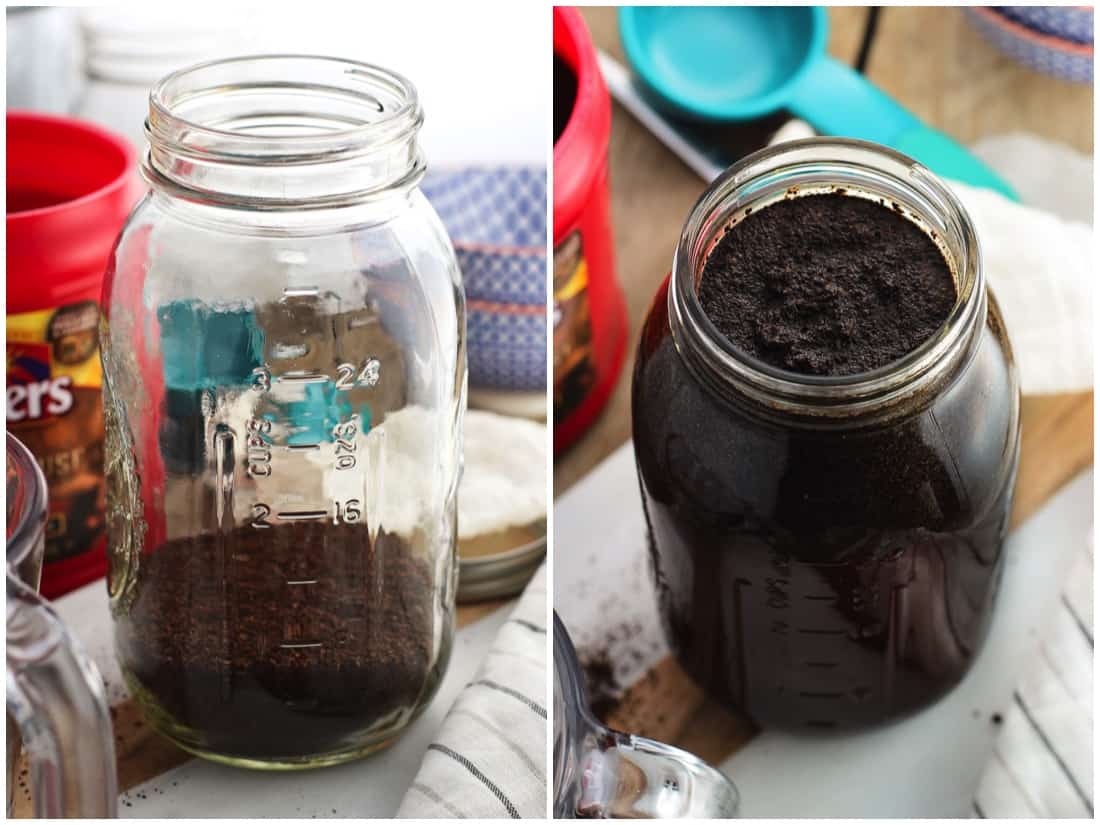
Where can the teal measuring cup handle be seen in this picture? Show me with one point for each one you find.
(837, 100)
(948, 158)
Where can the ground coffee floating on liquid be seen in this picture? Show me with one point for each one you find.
(284, 642)
(827, 284)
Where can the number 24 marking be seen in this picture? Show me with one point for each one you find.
(368, 375)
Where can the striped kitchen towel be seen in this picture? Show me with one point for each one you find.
(488, 760)
(1042, 758)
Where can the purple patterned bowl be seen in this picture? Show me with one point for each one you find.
(1042, 52)
(1066, 22)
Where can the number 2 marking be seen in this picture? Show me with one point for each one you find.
(260, 512)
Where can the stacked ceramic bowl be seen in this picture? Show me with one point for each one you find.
(496, 218)
(1052, 39)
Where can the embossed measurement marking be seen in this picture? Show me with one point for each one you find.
(369, 374)
(259, 447)
(300, 291)
(302, 378)
(344, 436)
(349, 512)
(301, 515)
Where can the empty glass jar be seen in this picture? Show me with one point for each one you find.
(284, 380)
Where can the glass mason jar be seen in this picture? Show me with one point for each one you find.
(56, 703)
(284, 381)
(826, 549)
(600, 773)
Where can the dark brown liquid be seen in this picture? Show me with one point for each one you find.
(565, 95)
(814, 578)
(23, 200)
(282, 643)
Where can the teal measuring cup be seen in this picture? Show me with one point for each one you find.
(729, 63)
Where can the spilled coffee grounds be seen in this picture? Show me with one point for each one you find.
(827, 284)
(281, 643)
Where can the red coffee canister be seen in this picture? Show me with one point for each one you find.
(589, 312)
(70, 186)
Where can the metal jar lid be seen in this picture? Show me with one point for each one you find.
(503, 573)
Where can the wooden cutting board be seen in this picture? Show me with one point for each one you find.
(930, 58)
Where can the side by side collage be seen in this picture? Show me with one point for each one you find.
(516, 411)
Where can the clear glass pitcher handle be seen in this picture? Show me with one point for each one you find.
(630, 777)
(57, 699)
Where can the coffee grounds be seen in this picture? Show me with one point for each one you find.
(601, 685)
(827, 284)
(231, 639)
(565, 95)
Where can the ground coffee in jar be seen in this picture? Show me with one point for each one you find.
(826, 424)
(827, 284)
(316, 632)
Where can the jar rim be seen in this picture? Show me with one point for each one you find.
(855, 160)
(283, 132)
(163, 107)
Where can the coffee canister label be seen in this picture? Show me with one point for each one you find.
(54, 406)
(574, 363)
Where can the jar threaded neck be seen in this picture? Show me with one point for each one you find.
(283, 132)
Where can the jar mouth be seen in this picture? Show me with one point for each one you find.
(239, 106)
(249, 130)
(812, 166)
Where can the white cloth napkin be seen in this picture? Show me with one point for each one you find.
(1043, 754)
(488, 760)
(1041, 270)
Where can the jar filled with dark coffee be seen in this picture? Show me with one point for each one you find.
(826, 426)
(284, 380)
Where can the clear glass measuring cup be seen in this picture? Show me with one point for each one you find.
(603, 774)
(284, 380)
(57, 710)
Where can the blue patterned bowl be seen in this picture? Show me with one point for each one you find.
(1042, 52)
(496, 217)
(1067, 22)
(506, 345)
